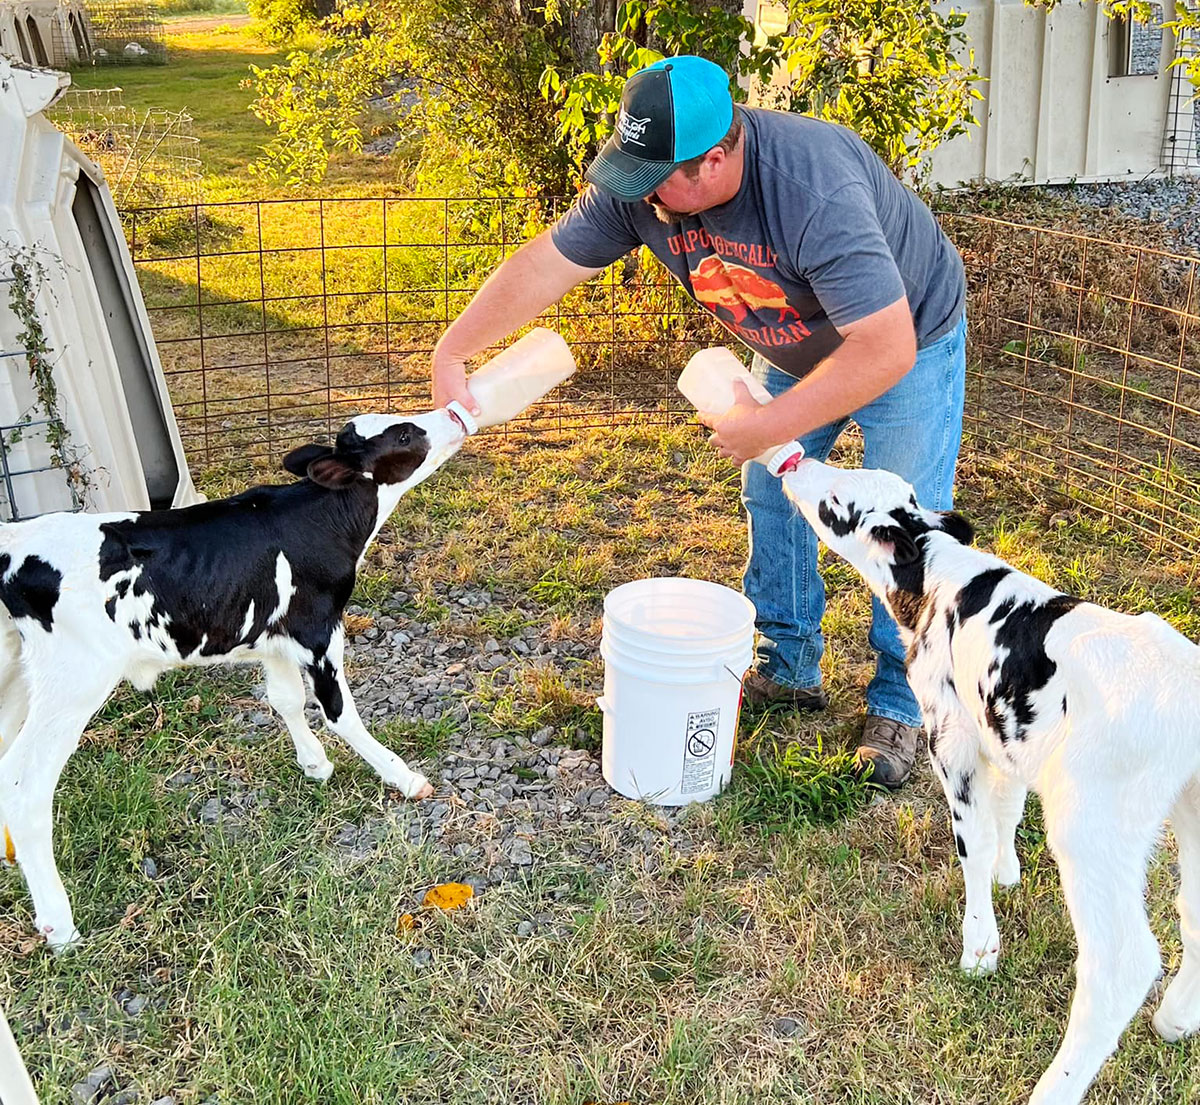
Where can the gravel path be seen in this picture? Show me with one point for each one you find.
(1172, 203)
(502, 805)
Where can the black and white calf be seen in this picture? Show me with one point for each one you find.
(91, 599)
(1023, 687)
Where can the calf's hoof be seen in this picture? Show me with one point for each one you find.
(412, 784)
(61, 939)
(318, 772)
(981, 962)
(1008, 870)
(1174, 1024)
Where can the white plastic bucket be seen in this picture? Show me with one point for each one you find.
(675, 651)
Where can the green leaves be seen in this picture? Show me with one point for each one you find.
(466, 77)
(888, 70)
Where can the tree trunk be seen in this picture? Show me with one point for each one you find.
(586, 27)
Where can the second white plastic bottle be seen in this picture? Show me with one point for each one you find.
(516, 378)
(707, 383)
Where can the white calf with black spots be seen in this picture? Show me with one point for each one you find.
(87, 600)
(1022, 687)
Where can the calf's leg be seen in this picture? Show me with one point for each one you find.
(1179, 1013)
(29, 773)
(285, 692)
(1102, 860)
(333, 693)
(966, 779)
(1008, 800)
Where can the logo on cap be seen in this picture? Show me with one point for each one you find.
(631, 129)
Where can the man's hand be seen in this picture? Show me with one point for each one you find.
(533, 278)
(741, 433)
(450, 382)
(876, 351)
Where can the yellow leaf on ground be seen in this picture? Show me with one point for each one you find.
(10, 852)
(357, 623)
(450, 895)
(406, 923)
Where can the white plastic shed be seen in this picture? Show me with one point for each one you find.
(45, 32)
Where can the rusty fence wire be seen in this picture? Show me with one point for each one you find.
(276, 320)
(1084, 366)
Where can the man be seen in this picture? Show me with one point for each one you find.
(802, 243)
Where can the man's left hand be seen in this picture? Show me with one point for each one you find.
(742, 432)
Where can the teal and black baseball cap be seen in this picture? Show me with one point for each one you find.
(671, 111)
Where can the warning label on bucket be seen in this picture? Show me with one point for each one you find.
(700, 751)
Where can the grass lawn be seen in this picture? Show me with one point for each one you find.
(715, 962)
(203, 76)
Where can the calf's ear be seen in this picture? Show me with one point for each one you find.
(899, 544)
(333, 471)
(958, 527)
(298, 460)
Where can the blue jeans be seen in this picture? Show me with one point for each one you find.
(914, 430)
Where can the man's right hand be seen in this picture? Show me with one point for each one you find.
(450, 382)
(533, 278)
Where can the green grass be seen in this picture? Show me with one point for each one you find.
(654, 974)
(202, 77)
(205, 75)
(789, 790)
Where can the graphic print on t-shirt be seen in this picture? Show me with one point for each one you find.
(738, 290)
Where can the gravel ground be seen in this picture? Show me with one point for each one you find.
(500, 803)
(1172, 203)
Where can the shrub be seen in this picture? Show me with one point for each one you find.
(887, 70)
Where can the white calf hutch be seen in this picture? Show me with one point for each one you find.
(59, 228)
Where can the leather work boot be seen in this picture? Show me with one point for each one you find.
(889, 749)
(762, 690)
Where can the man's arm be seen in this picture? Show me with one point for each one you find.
(876, 351)
(528, 282)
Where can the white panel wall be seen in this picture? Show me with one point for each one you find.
(1051, 112)
(39, 177)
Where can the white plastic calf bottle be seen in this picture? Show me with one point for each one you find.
(515, 378)
(707, 383)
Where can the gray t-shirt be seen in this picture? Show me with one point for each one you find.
(820, 234)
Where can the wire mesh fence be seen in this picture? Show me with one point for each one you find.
(150, 156)
(277, 320)
(27, 451)
(1085, 366)
(126, 32)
